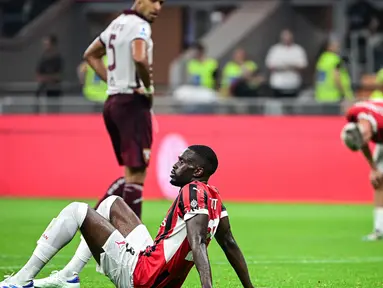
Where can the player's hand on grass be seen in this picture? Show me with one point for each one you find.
(376, 178)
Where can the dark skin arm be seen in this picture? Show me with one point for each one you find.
(140, 57)
(197, 233)
(366, 149)
(93, 55)
(227, 242)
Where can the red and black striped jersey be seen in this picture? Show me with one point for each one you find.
(169, 260)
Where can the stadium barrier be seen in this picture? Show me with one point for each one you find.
(276, 159)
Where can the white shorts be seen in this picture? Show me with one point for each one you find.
(378, 157)
(121, 255)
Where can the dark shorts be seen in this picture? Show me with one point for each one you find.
(128, 120)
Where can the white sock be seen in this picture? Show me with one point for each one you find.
(58, 233)
(28, 272)
(78, 262)
(378, 219)
(83, 254)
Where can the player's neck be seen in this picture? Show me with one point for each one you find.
(201, 180)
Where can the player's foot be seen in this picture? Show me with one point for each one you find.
(55, 280)
(375, 236)
(10, 283)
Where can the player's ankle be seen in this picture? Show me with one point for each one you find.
(20, 282)
(67, 275)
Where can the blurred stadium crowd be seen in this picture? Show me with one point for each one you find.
(257, 57)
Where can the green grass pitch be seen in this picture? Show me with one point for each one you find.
(284, 245)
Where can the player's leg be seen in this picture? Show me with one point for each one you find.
(59, 233)
(116, 188)
(133, 188)
(115, 210)
(68, 276)
(134, 123)
(119, 111)
(377, 234)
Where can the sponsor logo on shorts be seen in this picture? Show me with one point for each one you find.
(130, 249)
(120, 243)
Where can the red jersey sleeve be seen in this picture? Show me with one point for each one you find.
(193, 201)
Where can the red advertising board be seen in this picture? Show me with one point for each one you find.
(294, 159)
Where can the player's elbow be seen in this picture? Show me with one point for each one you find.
(86, 57)
(139, 60)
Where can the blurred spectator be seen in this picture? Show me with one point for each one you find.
(333, 83)
(201, 70)
(93, 88)
(239, 77)
(50, 68)
(286, 60)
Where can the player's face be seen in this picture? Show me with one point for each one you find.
(184, 169)
(151, 8)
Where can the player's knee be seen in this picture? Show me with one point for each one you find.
(75, 210)
(136, 170)
(106, 205)
(135, 174)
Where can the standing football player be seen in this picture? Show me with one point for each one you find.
(128, 45)
(365, 124)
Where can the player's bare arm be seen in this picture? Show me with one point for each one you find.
(366, 134)
(93, 56)
(197, 234)
(376, 177)
(368, 155)
(227, 242)
(140, 58)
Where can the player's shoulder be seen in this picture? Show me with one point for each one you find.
(200, 188)
(195, 185)
(133, 19)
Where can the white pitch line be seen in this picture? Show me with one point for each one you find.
(253, 262)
